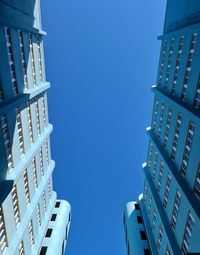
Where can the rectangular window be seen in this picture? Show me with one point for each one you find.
(188, 145)
(150, 154)
(11, 60)
(43, 251)
(41, 162)
(21, 248)
(149, 206)
(176, 70)
(31, 233)
(196, 102)
(154, 219)
(34, 173)
(23, 59)
(40, 58)
(168, 251)
(176, 136)
(3, 236)
(145, 191)
(20, 130)
(197, 183)
(26, 187)
(161, 119)
(37, 115)
(38, 215)
(167, 188)
(49, 232)
(147, 252)
(169, 63)
(160, 234)
(154, 165)
(169, 116)
(47, 151)
(160, 176)
(188, 66)
(155, 113)
(44, 111)
(143, 235)
(53, 217)
(139, 219)
(15, 204)
(164, 45)
(6, 139)
(57, 204)
(32, 59)
(44, 201)
(49, 188)
(187, 234)
(30, 126)
(175, 211)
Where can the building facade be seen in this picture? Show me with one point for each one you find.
(32, 220)
(169, 208)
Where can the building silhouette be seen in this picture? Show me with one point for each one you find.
(166, 219)
(32, 220)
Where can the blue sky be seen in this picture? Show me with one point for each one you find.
(101, 59)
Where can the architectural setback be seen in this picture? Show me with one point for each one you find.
(32, 220)
(166, 219)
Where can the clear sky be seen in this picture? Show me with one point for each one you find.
(101, 59)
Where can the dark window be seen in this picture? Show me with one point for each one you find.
(57, 204)
(139, 219)
(143, 235)
(147, 252)
(43, 250)
(49, 232)
(53, 217)
(137, 207)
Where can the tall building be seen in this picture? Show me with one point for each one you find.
(32, 220)
(166, 219)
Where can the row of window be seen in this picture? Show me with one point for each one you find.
(196, 101)
(19, 124)
(177, 201)
(24, 60)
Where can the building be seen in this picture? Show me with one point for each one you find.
(32, 220)
(166, 219)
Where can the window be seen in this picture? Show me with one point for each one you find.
(41, 162)
(49, 188)
(30, 127)
(38, 215)
(44, 110)
(164, 45)
(176, 71)
(169, 63)
(160, 234)
(145, 191)
(167, 188)
(47, 151)
(40, 58)
(176, 136)
(155, 113)
(188, 145)
(32, 59)
(26, 186)
(137, 206)
(196, 102)
(49, 232)
(21, 248)
(154, 165)
(23, 60)
(139, 219)
(44, 201)
(37, 115)
(187, 234)
(169, 116)
(150, 154)
(6, 139)
(11, 60)
(53, 217)
(149, 207)
(147, 252)
(57, 204)
(175, 211)
(34, 173)
(43, 250)
(160, 176)
(161, 119)
(31, 234)
(197, 183)
(20, 133)
(188, 66)
(143, 235)
(15, 204)
(154, 219)
(3, 237)
(168, 251)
